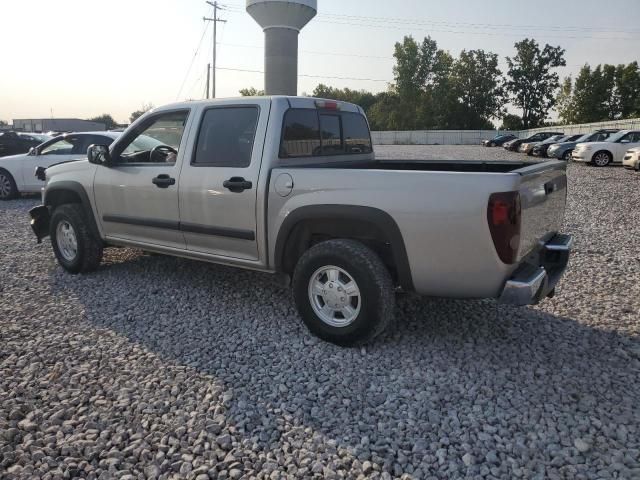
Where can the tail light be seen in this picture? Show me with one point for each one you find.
(504, 215)
(327, 105)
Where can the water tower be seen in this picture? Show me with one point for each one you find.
(281, 21)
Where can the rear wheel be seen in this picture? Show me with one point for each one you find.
(75, 247)
(601, 159)
(8, 187)
(343, 292)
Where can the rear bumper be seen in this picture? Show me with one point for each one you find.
(40, 221)
(536, 279)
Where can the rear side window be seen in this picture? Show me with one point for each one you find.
(301, 134)
(357, 138)
(226, 137)
(312, 133)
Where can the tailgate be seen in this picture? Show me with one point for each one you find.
(543, 195)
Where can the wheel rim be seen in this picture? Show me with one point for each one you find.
(67, 240)
(5, 186)
(567, 156)
(601, 159)
(335, 296)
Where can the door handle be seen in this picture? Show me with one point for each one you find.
(237, 184)
(163, 181)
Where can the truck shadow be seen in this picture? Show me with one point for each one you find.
(447, 365)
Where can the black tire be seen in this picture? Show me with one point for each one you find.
(567, 155)
(602, 154)
(376, 292)
(8, 187)
(88, 254)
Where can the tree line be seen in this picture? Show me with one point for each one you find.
(434, 90)
(606, 92)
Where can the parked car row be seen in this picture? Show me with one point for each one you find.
(600, 148)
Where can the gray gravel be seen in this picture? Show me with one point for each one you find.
(155, 367)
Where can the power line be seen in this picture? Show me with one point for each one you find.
(193, 59)
(466, 32)
(405, 21)
(306, 75)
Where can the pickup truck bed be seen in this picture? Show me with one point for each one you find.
(441, 210)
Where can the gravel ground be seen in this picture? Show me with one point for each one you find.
(155, 367)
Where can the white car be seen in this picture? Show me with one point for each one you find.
(17, 172)
(612, 150)
(631, 159)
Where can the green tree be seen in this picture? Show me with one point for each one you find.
(532, 82)
(628, 89)
(359, 97)
(479, 87)
(105, 118)
(606, 92)
(423, 85)
(138, 113)
(251, 92)
(565, 102)
(512, 122)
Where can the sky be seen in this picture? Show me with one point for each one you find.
(82, 58)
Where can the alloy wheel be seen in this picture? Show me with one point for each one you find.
(67, 241)
(601, 159)
(5, 186)
(334, 296)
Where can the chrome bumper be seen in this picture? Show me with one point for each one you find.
(536, 280)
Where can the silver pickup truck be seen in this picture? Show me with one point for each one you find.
(290, 185)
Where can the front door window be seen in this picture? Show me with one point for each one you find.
(156, 141)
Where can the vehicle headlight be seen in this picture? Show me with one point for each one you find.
(586, 148)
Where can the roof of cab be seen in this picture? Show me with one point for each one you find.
(294, 102)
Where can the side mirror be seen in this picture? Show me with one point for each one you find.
(624, 141)
(99, 155)
(32, 151)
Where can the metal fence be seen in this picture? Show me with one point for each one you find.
(475, 137)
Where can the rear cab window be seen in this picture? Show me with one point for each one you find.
(317, 133)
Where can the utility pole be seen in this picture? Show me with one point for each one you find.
(208, 80)
(215, 21)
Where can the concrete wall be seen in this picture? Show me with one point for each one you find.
(435, 137)
(475, 137)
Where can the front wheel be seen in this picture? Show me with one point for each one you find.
(343, 292)
(8, 188)
(602, 159)
(567, 155)
(75, 247)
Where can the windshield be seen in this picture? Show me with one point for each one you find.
(557, 138)
(616, 136)
(142, 144)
